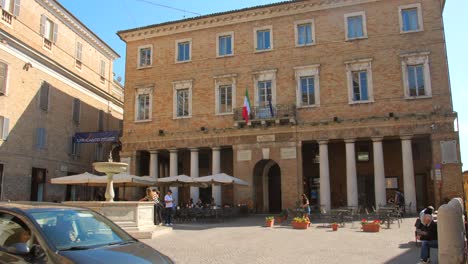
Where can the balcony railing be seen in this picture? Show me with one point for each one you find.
(7, 17)
(263, 114)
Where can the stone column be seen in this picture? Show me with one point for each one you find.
(154, 166)
(351, 177)
(173, 160)
(216, 168)
(379, 172)
(408, 173)
(194, 172)
(324, 175)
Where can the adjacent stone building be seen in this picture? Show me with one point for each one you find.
(55, 80)
(349, 101)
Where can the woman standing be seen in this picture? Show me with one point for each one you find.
(305, 206)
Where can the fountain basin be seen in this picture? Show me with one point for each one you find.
(110, 167)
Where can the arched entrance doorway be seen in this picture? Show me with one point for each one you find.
(267, 187)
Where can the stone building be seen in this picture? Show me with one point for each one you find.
(350, 100)
(55, 80)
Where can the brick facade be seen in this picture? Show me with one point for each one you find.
(30, 65)
(389, 113)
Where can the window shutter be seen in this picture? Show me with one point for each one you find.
(3, 77)
(2, 3)
(43, 21)
(40, 138)
(70, 146)
(4, 127)
(101, 121)
(76, 110)
(54, 39)
(79, 50)
(44, 96)
(16, 8)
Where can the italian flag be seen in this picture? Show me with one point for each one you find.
(246, 107)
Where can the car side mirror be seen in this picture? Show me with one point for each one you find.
(19, 249)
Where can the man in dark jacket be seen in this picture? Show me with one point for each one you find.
(428, 235)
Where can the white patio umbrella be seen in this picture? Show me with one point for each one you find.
(83, 178)
(127, 180)
(179, 181)
(221, 179)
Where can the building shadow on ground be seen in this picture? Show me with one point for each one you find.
(411, 255)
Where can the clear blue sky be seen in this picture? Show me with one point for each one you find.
(106, 17)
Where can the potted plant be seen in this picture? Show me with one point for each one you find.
(373, 226)
(300, 223)
(281, 217)
(334, 226)
(269, 221)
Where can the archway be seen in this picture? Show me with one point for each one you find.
(267, 187)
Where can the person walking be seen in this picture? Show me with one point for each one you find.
(158, 209)
(169, 205)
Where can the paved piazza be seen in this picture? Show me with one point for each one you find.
(244, 240)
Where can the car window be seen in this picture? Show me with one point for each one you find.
(79, 229)
(13, 231)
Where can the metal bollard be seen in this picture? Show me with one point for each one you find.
(451, 232)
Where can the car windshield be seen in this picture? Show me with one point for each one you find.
(79, 229)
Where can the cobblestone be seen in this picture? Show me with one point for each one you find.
(244, 240)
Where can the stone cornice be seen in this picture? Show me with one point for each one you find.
(79, 28)
(235, 17)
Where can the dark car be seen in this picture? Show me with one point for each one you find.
(54, 233)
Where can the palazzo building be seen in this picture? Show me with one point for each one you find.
(55, 80)
(350, 100)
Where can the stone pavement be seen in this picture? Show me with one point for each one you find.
(244, 240)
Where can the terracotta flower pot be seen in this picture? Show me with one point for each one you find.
(371, 228)
(334, 227)
(269, 223)
(300, 225)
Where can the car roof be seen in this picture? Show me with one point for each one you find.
(36, 206)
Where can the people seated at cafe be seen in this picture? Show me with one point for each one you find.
(427, 233)
(199, 204)
(190, 204)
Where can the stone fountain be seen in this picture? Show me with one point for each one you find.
(133, 216)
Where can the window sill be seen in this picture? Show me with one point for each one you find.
(305, 45)
(224, 56)
(307, 106)
(181, 117)
(144, 67)
(357, 38)
(411, 31)
(143, 121)
(418, 97)
(262, 51)
(224, 114)
(180, 62)
(361, 102)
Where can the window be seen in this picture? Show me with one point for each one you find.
(40, 138)
(307, 83)
(304, 31)
(44, 96)
(411, 18)
(10, 8)
(145, 56)
(3, 78)
(355, 25)
(265, 88)
(143, 104)
(263, 38)
(74, 147)
(100, 121)
(225, 92)
(360, 92)
(183, 50)
(78, 54)
(360, 88)
(416, 75)
(49, 31)
(225, 43)
(4, 127)
(102, 71)
(182, 99)
(76, 110)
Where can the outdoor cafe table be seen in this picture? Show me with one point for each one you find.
(339, 214)
(388, 214)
